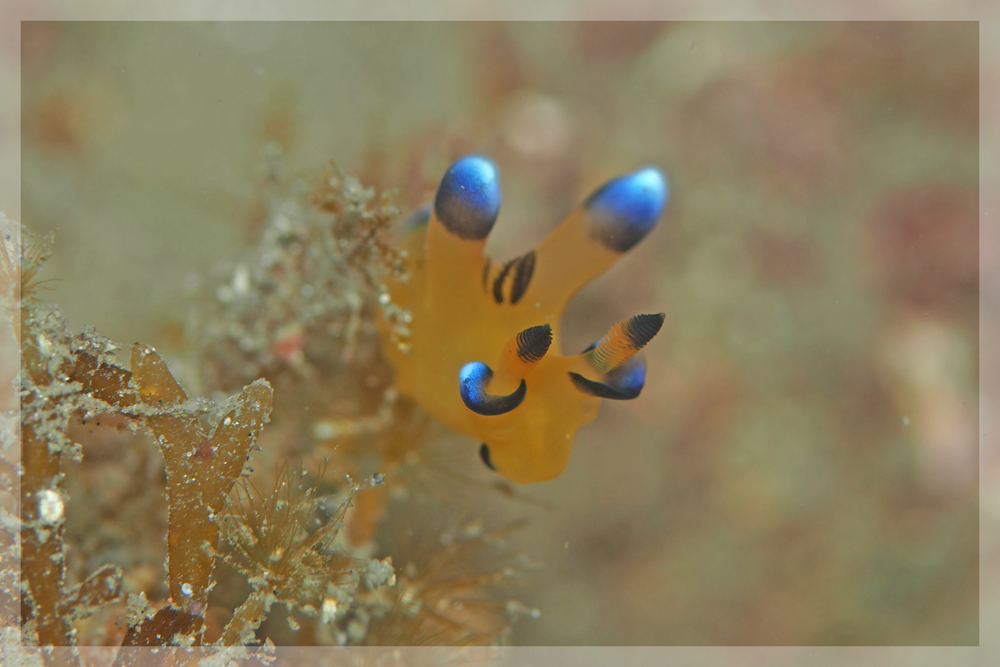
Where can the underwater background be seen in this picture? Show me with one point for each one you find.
(802, 466)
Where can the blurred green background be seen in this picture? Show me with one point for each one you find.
(802, 466)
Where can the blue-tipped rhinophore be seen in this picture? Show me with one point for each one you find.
(623, 210)
(417, 219)
(472, 380)
(468, 198)
(622, 383)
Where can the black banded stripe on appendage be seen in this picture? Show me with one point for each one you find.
(533, 343)
(640, 329)
(522, 276)
(521, 269)
(624, 340)
(486, 272)
(498, 281)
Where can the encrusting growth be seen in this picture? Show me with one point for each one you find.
(449, 588)
(299, 309)
(288, 559)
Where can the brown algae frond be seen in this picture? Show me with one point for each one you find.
(299, 308)
(65, 377)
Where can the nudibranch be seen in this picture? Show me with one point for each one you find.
(476, 343)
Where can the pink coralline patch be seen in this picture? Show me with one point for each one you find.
(39, 34)
(924, 246)
(927, 362)
(781, 259)
(710, 406)
(606, 41)
(900, 64)
(777, 128)
(501, 67)
(58, 124)
(537, 126)
(858, 61)
(204, 450)
(288, 347)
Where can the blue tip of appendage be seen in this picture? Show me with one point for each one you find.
(472, 381)
(468, 199)
(623, 210)
(621, 384)
(630, 377)
(417, 219)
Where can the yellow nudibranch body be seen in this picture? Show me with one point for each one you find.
(480, 348)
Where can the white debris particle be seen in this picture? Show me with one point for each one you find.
(326, 430)
(186, 590)
(50, 507)
(44, 346)
(356, 631)
(515, 608)
(381, 572)
(329, 611)
(227, 421)
(473, 529)
(241, 279)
